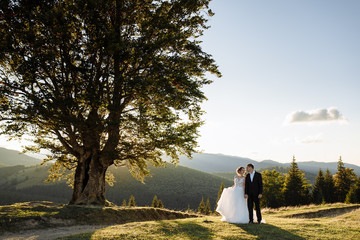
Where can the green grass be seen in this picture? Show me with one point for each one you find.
(342, 226)
(332, 221)
(47, 214)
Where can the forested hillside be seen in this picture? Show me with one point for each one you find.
(308, 175)
(175, 186)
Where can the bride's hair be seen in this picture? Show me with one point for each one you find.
(239, 169)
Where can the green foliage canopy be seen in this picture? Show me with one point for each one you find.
(273, 182)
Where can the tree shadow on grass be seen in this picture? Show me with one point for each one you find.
(268, 231)
(191, 230)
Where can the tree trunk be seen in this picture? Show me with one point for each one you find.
(89, 183)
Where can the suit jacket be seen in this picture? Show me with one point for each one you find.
(255, 187)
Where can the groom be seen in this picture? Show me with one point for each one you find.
(253, 192)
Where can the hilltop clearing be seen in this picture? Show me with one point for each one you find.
(148, 223)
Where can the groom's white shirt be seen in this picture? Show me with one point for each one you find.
(252, 175)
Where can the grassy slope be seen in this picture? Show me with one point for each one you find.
(343, 226)
(138, 223)
(22, 184)
(175, 186)
(42, 214)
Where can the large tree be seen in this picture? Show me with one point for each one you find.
(103, 82)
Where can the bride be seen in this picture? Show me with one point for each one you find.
(232, 203)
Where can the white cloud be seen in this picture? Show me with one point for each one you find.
(331, 114)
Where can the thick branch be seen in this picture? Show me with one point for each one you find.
(66, 145)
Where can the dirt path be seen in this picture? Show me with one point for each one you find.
(51, 233)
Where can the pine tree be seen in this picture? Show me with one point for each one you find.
(132, 202)
(318, 191)
(341, 187)
(188, 209)
(124, 203)
(201, 208)
(343, 181)
(219, 194)
(329, 188)
(207, 209)
(353, 195)
(160, 204)
(296, 188)
(155, 202)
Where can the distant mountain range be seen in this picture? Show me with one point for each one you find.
(22, 179)
(213, 163)
(12, 157)
(205, 162)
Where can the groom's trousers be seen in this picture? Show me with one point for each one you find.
(251, 200)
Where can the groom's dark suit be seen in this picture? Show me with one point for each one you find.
(253, 189)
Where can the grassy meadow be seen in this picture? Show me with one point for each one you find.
(335, 222)
(328, 221)
(42, 215)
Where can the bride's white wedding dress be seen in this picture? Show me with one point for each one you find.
(232, 204)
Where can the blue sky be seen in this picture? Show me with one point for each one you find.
(290, 82)
(278, 58)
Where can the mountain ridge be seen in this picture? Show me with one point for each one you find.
(205, 162)
(213, 163)
(9, 157)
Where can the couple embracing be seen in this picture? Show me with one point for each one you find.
(237, 202)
